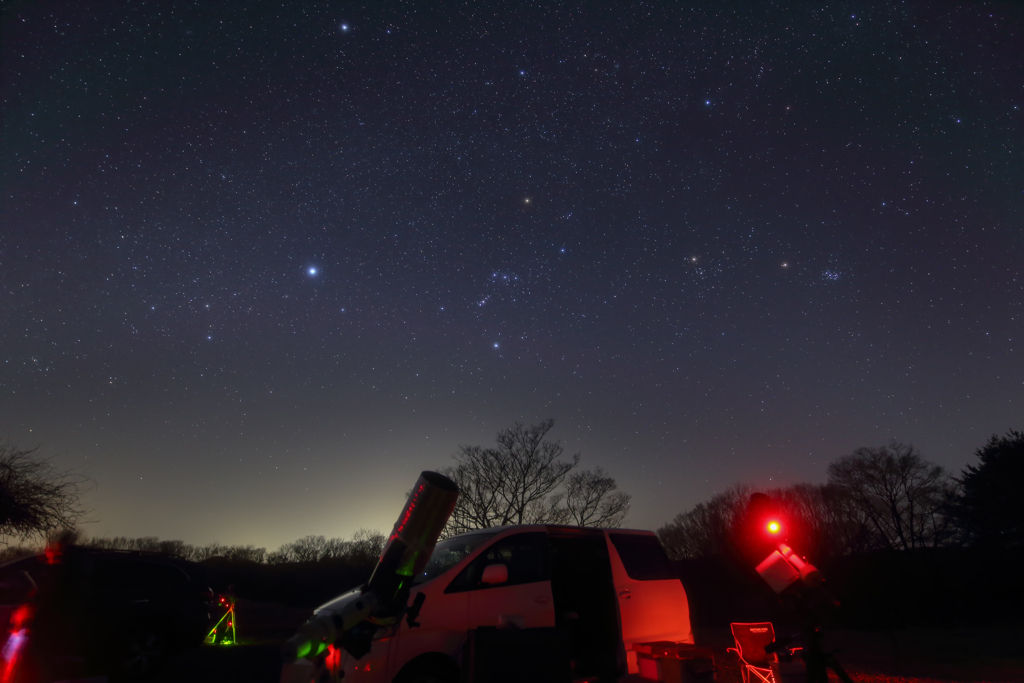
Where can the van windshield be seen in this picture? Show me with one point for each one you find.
(449, 553)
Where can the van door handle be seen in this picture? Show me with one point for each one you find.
(541, 599)
(625, 594)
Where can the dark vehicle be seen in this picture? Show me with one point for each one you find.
(88, 611)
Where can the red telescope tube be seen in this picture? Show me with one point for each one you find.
(414, 535)
(405, 554)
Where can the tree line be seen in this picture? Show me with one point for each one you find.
(877, 498)
(523, 479)
(362, 549)
(887, 497)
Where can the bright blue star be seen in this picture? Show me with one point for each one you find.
(312, 271)
(495, 344)
(344, 28)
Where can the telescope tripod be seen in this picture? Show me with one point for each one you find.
(817, 661)
(226, 635)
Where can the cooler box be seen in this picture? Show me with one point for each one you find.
(675, 662)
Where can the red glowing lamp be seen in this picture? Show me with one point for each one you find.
(773, 527)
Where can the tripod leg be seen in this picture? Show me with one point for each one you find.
(215, 633)
(834, 664)
(816, 672)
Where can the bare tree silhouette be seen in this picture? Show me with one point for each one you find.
(36, 498)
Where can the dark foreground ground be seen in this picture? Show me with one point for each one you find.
(906, 655)
(899, 656)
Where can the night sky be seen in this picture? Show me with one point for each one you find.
(261, 263)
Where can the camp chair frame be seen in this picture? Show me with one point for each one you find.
(755, 667)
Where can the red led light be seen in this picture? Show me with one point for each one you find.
(53, 553)
(17, 637)
(774, 527)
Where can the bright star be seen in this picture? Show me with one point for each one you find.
(495, 344)
(344, 28)
(312, 271)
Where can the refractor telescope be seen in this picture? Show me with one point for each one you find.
(384, 596)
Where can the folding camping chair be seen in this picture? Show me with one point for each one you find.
(755, 663)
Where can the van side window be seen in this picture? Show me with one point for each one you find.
(643, 557)
(525, 555)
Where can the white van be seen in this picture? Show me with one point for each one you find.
(608, 588)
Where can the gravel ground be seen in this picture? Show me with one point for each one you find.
(234, 664)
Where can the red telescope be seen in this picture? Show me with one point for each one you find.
(414, 535)
(406, 553)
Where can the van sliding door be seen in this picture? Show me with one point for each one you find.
(585, 601)
(652, 600)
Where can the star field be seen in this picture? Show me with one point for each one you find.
(262, 263)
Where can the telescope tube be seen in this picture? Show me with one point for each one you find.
(414, 535)
(405, 554)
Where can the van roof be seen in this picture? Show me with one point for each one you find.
(546, 527)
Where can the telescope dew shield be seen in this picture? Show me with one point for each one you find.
(414, 535)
